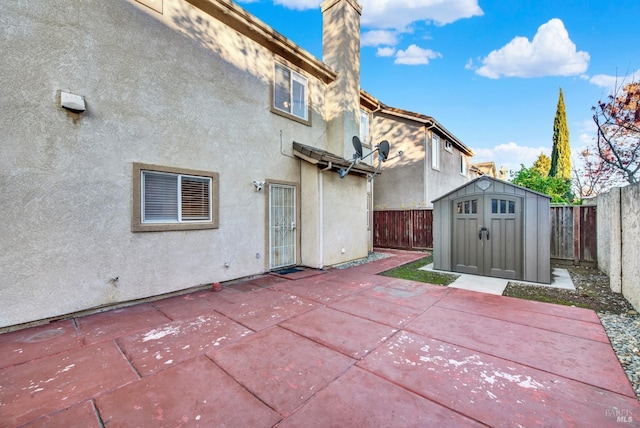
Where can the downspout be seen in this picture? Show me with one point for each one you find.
(321, 216)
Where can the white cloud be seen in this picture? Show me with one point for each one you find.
(379, 37)
(384, 52)
(415, 55)
(299, 4)
(399, 14)
(510, 155)
(550, 53)
(611, 82)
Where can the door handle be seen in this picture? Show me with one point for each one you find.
(483, 229)
(487, 230)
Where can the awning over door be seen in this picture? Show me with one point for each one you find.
(324, 159)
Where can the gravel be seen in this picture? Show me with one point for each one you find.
(372, 257)
(624, 334)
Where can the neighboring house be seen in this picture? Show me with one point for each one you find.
(433, 160)
(207, 150)
(483, 168)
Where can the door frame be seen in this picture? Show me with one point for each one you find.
(267, 250)
(475, 240)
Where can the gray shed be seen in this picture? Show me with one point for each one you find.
(493, 228)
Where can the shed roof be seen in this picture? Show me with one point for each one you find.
(493, 179)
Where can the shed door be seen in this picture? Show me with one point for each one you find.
(487, 236)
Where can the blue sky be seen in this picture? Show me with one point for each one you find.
(489, 71)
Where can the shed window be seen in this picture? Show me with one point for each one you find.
(501, 206)
(467, 207)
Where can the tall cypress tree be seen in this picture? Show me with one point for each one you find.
(561, 153)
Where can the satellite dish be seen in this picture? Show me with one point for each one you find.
(357, 145)
(383, 155)
(383, 150)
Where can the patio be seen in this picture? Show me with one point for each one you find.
(336, 348)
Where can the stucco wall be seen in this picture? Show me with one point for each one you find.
(410, 182)
(179, 90)
(609, 237)
(618, 234)
(630, 283)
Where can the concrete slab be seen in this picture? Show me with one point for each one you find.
(118, 322)
(372, 308)
(351, 335)
(81, 415)
(169, 344)
(494, 391)
(39, 387)
(281, 368)
(415, 295)
(555, 352)
(30, 344)
(361, 399)
(326, 288)
(195, 393)
(269, 309)
(494, 307)
(560, 278)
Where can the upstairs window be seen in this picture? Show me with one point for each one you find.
(435, 152)
(447, 146)
(364, 126)
(463, 165)
(290, 92)
(166, 199)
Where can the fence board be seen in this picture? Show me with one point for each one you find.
(404, 229)
(573, 234)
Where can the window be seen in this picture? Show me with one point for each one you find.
(173, 199)
(435, 152)
(467, 207)
(463, 165)
(290, 93)
(501, 206)
(364, 126)
(447, 146)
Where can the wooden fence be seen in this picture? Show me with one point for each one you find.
(404, 229)
(573, 232)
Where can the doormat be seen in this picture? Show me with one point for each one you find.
(287, 271)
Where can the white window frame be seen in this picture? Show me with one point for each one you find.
(175, 199)
(448, 146)
(435, 152)
(365, 124)
(463, 165)
(284, 92)
(176, 219)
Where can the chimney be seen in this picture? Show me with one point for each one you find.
(341, 51)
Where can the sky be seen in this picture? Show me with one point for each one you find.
(488, 71)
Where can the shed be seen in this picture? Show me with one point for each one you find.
(493, 228)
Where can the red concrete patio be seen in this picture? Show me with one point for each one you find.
(344, 348)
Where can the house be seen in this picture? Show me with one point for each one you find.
(433, 160)
(483, 168)
(153, 146)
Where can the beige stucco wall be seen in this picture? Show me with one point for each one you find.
(410, 182)
(618, 233)
(178, 89)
